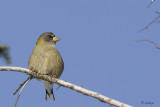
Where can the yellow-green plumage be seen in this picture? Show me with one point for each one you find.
(45, 59)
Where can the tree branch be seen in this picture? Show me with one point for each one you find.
(29, 78)
(68, 85)
(23, 85)
(150, 3)
(153, 21)
(154, 43)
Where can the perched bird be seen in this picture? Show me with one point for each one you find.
(45, 59)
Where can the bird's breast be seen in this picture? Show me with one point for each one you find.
(46, 60)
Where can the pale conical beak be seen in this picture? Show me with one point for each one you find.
(55, 39)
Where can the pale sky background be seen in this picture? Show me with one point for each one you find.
(98, 47)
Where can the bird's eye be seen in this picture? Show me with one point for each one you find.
(50, 36)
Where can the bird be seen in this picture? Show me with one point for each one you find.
(46, 60)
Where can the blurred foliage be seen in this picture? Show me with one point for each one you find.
(4, 52)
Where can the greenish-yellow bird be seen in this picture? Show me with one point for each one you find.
(45, 59)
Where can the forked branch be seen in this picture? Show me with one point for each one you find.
(22, 85)
(153, 21)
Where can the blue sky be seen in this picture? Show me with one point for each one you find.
(97, 44)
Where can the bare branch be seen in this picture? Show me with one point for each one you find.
(58, 87)
(22, 89)
(154, 43)
(68, 85)
(154, 20)
(22, 85)
(150, 3)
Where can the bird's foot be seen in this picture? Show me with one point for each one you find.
(54, 77)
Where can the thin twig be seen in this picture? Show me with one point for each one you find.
(79, 89)
(21, 85)
(158, 12)
(154, 43)
(154, 20)
(150, 3)
(21, 90)
(58, 87)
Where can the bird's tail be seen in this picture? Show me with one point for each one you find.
(49, 90)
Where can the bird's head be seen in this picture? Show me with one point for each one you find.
(47, 38)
